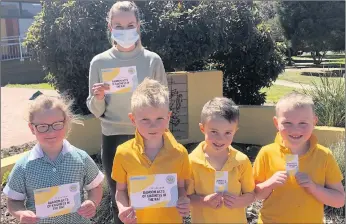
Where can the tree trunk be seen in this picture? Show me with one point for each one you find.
(318, 57)
(289, 57)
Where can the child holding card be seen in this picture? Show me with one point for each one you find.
(295, 175)
(150, 169)
(46, 185)
(221, 184)
(113, 75)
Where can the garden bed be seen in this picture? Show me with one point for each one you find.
(13, 150)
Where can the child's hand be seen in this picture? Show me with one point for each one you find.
(27, 217)
(87, 209)
(305, 181)
(233, 201)
(213, 200)
(127, 215)
(279, 178)
(183, 206)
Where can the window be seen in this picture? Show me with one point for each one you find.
(24, 25)
(30, 9)
(9, 27)
(10, 9)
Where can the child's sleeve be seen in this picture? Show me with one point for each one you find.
(15, 187)
(118, 172)
(247, 179)
(333, 172)
(185, 170)
(191, 182)
(93, 176)
(259, 171)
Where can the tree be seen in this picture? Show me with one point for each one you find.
(314, 26)
(63, 39)
(187, 35)
(224, 35)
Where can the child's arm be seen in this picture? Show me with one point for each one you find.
(264, 189)
(126, 212)
(247, 188)
(95, 194)
(234, 201)
(211, 200)
(17, 209)
(265, 183)
(88, 207)
(183, 204)
(93, 178)
(331, 195)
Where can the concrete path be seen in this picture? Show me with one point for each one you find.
(292, 84)
(14, 103)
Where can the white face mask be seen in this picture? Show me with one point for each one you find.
(125, 38)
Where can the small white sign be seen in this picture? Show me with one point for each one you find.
(292, 164)
(120, 80)
(57, 200)
(221, 181)
(154, 191)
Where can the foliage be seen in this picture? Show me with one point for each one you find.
(187, 35)
(206, 36)
(338, 150)
(63, 38)
(266, 9)
(329, 99)
(314, 26)
(5, 178)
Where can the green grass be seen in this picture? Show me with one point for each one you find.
(275, 92)
(327, 59)
(297, 77)
(31, 86)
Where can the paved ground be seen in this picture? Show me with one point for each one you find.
(14, 128)
(291, 84)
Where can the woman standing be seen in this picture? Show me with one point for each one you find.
(113, 76)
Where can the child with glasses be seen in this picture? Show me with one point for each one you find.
(53, 162)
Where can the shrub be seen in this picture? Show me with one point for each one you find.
(63, 39)
(338, 150)
(187, 35)
(5, 178)
(329, 99)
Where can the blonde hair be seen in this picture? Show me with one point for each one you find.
(150, 93)
(43, 102)
(124, 6)
(294, 100)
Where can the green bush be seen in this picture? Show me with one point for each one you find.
(329, 99)
(188, 36)
(5, 178)
(205, 36)
(64, 38)
(338, 150)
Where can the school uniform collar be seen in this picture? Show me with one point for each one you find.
(198, 157)
(284, 149)
(169, 141)
(37, 152)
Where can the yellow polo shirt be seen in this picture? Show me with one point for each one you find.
(130, 160)
(202, 182)
(290, 203)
